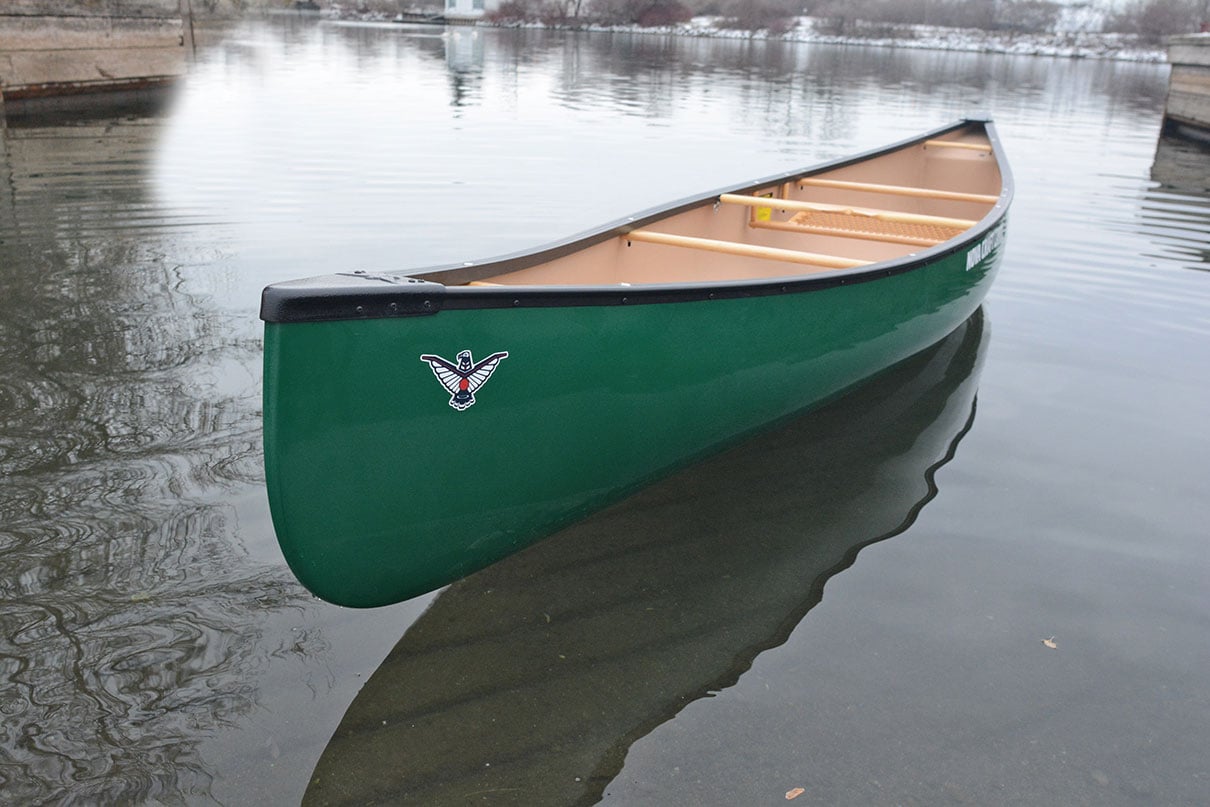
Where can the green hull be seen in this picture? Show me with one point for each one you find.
(381, 489)
(639, 618)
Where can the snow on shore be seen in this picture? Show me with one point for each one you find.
(1066, 44)
(1071, 43)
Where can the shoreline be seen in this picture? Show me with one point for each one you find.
(1063, 44)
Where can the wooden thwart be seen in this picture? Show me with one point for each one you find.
(885, 215)
(958, 144)
(897, 190)
(745, 250)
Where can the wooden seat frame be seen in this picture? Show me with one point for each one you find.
(901, 228)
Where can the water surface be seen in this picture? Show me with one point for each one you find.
(153, 647)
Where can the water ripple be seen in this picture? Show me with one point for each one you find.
(132, 621)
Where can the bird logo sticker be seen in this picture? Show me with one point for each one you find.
(463, 379)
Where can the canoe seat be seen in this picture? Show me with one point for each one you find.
(959, 144)
(813, 259)
(897, 190)
(851, 224)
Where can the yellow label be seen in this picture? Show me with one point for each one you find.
(764, 213)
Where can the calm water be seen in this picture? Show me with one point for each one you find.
(855, 605)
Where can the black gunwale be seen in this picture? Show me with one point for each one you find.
(426, 291)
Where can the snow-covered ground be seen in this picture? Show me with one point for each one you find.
(1072, 40)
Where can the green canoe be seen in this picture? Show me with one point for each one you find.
(422, 425)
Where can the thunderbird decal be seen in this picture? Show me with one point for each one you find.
(463, 380)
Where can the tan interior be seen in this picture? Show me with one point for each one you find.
(883, 208)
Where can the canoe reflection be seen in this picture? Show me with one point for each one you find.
(528, 682)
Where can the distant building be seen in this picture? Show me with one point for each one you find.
(469, 10)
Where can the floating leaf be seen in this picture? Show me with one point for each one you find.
(1051, 643)
(795, 793)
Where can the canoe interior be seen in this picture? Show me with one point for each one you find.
(883, 208)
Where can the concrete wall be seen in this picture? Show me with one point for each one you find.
(56, 48)
(1189, 85)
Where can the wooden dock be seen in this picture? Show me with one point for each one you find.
(66, 54)
(60, 47)
(1188, 107)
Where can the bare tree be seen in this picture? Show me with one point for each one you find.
(1153, 20)
(775, 16)
(641, 12)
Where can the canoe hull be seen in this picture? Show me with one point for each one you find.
(644, 610)
(381, 489)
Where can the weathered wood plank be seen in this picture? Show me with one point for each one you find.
(92, 8)
(1191, 49)
(1189, 82)
(43, 55)
(1189, 94)
(84, 33)
(82, 69)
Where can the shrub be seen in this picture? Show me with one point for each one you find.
(647, 13)
(668, 12)
(950, 13)
(1029, 16)
(1153, 20)
(514, 11)
(559, 12)
(775, 16)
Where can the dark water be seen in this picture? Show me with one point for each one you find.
(856, 606)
